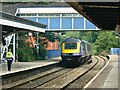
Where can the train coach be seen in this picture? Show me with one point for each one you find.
(75, 52)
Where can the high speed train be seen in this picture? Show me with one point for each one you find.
(75, 52)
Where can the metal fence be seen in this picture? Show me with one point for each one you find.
(53, 53)
(115, 51)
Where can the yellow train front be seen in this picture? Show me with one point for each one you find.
(75, 52)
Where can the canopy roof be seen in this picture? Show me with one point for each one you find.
(105, 15)
(12, 24)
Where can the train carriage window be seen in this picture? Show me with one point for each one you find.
(70, 45)
(84, 49)
(89, 48)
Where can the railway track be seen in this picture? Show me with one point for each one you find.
(64, 80)
(59, 77)
(83, 80)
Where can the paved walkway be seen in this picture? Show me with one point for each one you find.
(112, 79)
(109, 77)
(20, 66)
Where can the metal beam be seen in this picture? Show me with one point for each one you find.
(80, 9)
(98, 12)
(99, 3)
(102, 10)
(103, 16)
(105, 19)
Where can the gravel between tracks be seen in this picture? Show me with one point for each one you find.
(82, 81)
(41, 80)
(67, 78)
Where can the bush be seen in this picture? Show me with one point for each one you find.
(25, 53)
(42, 52)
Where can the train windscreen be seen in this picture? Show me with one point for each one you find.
(70, 45)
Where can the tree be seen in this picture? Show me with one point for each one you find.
(105, 41)
(74, 34)
(89, 36)
(24, 51)
(48, 35)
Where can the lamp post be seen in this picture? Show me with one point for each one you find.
(37, 46)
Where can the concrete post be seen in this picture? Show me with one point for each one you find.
(0, 43)
(14, 50)
(117, 29)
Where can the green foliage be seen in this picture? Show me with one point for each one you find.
(105, 41)
(50, 36)
(61, 37)
(75, 34)
(89, 36)
(25, 53)
(42, 52)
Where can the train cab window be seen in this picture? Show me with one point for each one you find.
(70, 45)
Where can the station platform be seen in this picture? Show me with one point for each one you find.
(21, 66)
(108, 78)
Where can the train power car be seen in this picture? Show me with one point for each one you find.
(75, 52)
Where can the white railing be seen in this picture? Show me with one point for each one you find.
(4, 48)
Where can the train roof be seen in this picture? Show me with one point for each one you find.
(71, 40)
(85, 41)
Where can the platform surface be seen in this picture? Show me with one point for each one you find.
(109, 77)
(21, 66)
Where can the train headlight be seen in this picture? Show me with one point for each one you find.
(76, 54)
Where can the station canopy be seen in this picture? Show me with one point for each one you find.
(105, 15)
(12, 24)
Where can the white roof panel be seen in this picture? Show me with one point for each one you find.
(47, 10)
(20, 25)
